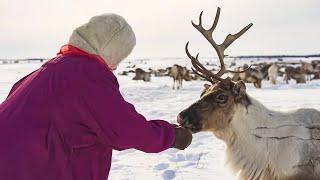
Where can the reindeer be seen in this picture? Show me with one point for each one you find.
(158, 72)
(253, 75)
(307, 68)
(294, 73)
(142, 75)
(261, 144)
(178, 73)
(316, 66)
(273, 73)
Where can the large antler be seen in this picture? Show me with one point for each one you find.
(219, 48)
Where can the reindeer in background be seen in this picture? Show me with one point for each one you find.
(142, 75)
(178, 73)
(253, 75)
(307, 68)
(294, 73)
(261, 144)
(273, 73)
(316, 67)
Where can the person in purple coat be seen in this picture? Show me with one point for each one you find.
(62, 121)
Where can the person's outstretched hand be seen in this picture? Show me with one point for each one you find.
(183, 138)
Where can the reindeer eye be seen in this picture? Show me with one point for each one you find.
(221, 98)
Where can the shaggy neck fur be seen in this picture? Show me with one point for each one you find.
(265, 144)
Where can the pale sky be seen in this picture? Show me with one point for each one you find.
(37, 28)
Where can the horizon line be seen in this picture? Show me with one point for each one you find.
(240, 57)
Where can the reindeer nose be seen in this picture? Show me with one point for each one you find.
(180, 120)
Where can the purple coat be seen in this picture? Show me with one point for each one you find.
(62, 121)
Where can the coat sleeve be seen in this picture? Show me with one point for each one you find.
(120, 126)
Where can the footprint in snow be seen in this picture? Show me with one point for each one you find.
(161, 166)
(168, 175)
(178, 158)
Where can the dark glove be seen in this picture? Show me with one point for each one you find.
(183, 138)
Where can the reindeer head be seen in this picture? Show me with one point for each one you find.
(215, 108)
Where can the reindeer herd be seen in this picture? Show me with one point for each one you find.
(176, 72)
(300, 72)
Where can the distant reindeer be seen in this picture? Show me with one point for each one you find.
(316, 67)
(188, 75)
(262, 144)
(194, 76)
(142, 75)
(294, 73)
(253, 75)
(307, 68)
(316, 76)
(158, 72)
(124, 73)
(273, 73)
(177, 73)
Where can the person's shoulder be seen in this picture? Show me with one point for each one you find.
(94, 70)
(81, 69)
(84, 65)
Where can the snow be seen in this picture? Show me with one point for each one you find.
(204, 158)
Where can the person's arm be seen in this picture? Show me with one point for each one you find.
(121, 127)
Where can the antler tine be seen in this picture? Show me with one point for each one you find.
(216, 19)
(194, 61)
(232, 37)
(207, 74)
(226, 43)
(240, 71)
(196, 64)
(203, 76)
(187, 51)
(206, 33)
(206, 71)
(200, 21)
(200, 18)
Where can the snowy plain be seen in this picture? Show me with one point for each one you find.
(204, 158)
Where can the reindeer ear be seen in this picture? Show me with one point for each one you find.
(239, 89)
(206, 86)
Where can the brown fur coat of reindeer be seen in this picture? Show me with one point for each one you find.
(261, 143)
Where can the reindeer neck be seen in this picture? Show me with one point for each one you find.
(245, 151)
(254, 135)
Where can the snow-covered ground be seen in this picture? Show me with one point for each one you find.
(204, 159)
